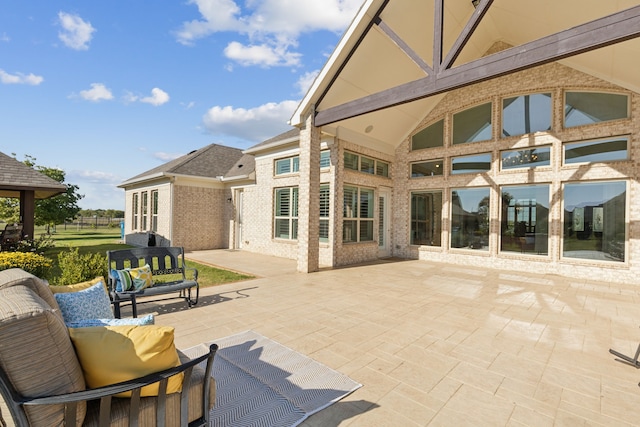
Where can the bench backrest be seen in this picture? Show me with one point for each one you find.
(12, 233)
(162, 260)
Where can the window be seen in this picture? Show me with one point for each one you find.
(286, 213)
(471, 164)
(524, 226)
(145, 210)
(154, 210)
(365, 164)
(426, 214)
(382, 169)
(351, 161)
(429, 137)
(357, 212)
(472, 125)
(325, 159)
(605, 150)
(470, 218)
(134, 210)
(288, 165)
(595, 221)
(325, 201)
(527, 158)
(526, 114)
(432, 168)
(583, 108)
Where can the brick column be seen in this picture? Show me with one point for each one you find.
(309, 198)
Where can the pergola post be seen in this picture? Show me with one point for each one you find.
(27, 212)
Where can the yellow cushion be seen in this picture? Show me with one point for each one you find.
(111, 354)
(141, 277)
(78, 286)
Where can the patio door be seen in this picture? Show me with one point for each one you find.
(384, 227)
(238, 219)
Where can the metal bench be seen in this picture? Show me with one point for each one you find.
(163, 261)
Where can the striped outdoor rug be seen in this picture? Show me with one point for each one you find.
(262, 383)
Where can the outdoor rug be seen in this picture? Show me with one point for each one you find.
(262, 383)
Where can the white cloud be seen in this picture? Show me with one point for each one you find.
(5, 38)
(254, 124)
(305, 81)
(98, 92)
(19, 78)
(158, 97)
(262, 55)
(76, 33)
(166, 157)
(272, 27)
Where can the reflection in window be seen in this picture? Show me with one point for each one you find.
(351, 161)
(472, 125)
(367, 165)
(429, 137)
(470, 218)
(605, 150)
(524, 223)
(358, 215)
(526, 114)
(594, 221)
(426, 214)
(471, 164)
(529, 158)
(432, 168)
(382, 168)
(583, 108)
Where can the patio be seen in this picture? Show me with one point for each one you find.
(435, 344)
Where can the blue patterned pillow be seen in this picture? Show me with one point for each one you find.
(123, 279)
(146, 320)
(90, 303)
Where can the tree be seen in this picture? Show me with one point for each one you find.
(60, 208)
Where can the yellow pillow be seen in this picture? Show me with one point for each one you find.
(141, 277)
(111, 354)
(78, 286)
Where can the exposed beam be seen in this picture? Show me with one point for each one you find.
(466, 33)
(438, 24)
(403, 46)
(612, 29)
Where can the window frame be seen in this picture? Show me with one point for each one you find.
(135, 206)
(453, 171)
(439, 164)
(564, 107)
(435, 220)
(154, 210)
(358, 166)
(291, 217)
(548, 148)
(355, 217)
(428, 128)
(502, 114)
(467, 110)
(144, 211)
(293, 165)
(594, 142)
(325, 213)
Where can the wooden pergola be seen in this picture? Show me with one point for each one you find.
(18, 180)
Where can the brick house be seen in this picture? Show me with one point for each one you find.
(517, 146)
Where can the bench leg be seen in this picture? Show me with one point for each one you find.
(626, 359)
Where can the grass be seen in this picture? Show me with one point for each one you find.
(101, 240)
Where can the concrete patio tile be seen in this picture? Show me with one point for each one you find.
(436, 344)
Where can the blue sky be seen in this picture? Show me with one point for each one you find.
(105, 90)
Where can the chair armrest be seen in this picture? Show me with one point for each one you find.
(193, 270)
(105, 393)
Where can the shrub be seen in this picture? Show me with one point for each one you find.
(28, 261)
(75, 267)
(35, 245)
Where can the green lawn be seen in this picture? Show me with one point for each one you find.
(101, 240)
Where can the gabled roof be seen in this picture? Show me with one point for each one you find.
(15, 176)
(243, 168)
(212, 161)
(288, 137)
(382, 79)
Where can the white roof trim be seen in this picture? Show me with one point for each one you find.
(311, 96)
(271, 145)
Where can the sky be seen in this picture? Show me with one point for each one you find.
(108, 89)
